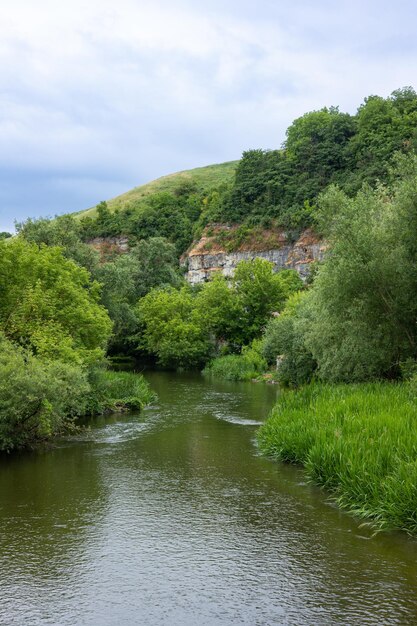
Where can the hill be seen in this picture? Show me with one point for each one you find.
(268, 190)
(203, 178)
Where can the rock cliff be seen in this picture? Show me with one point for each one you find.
(209, 255)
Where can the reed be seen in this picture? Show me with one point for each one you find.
(237, 367)
(357, 441)
(113, 391)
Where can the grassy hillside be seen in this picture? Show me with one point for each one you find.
(204, 177)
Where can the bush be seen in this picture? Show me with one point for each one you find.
(283, 344)
(38, 399)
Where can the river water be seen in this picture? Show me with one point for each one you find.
(171, 517)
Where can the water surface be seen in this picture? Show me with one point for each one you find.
(172, 517)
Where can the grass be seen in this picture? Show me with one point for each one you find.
(204, 177)
(119, 391)
(357, 441)
(237, 367)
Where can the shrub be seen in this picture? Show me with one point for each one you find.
(38, 398)
(283, 343)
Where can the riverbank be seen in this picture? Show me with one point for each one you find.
(357, 441)
(40, 399)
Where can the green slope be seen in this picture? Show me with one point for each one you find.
(204, 177)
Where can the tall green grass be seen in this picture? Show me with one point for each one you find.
(115, 391)
(246, 366)
(357, 441)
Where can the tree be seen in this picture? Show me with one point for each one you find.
(220, 310)
(63, 231)
(162, 215)
(49, 304)
(260, 292)
(384, 126)
(284, 340)
(360, 318)
(317, 151)
(173, 329)
(152, 263)
(249, 185)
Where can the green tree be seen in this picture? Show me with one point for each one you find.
(49, 304)
(283, 344)
(360, 322)
(162, 215)
(221, 310)
(317, 151)
(173, 330)
(384, 126)
(260, 292)
(151, 263)
(63, 231)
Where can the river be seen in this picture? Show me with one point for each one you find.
(172, 517)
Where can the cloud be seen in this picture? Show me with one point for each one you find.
(98, 97)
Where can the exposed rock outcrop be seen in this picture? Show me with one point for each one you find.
(208, 255)
(108, 246)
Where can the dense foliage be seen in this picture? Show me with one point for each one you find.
(49, 303)
(53, 337)
(38, 398)
(173, 328)
(278, 186)
(283, 344)
(322, 147)
(184, 327)
(124, 278)
(129, 277)
(160, 215)
(358, 320)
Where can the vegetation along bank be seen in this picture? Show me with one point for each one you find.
(346, 335)
(358, 441)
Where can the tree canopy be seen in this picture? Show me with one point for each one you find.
(49, 304)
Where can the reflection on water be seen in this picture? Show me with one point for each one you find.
(172, 517)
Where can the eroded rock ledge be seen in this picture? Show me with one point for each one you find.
(208, 255)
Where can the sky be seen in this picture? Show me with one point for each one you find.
(98, 96)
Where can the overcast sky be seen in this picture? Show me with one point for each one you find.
(98, 96)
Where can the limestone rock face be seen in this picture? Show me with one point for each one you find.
(205, 258)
